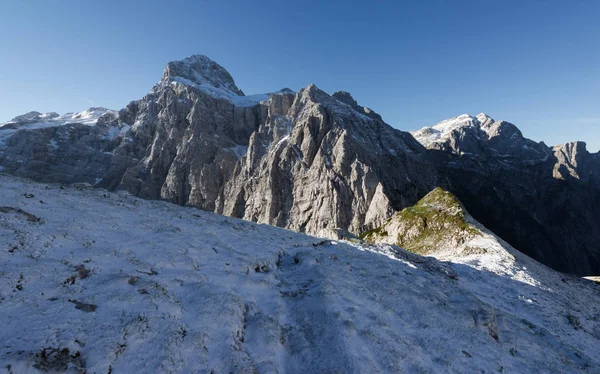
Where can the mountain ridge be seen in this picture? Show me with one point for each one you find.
(320, 163)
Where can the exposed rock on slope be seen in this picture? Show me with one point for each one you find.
(439, 226)
(177, 290)
(544, 201)
(437, 223)
(318, 164)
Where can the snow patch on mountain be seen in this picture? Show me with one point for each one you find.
(466, 135)
(442, 131)
(219, 93)
(36, 120)
(202, 73)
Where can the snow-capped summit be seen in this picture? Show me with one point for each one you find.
(91, 114)
(480, 135)
(441, 136)
(441, 131)
(201, 70)
(27, 116)
(34, 119)
(202, 73)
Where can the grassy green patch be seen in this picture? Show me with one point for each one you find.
(376, 232)
(437, 218)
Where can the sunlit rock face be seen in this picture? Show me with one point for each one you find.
(319, 165)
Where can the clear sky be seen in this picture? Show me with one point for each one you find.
(533, 63)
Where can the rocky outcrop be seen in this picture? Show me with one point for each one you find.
(439, 226)
(574, 161)
(437, 223)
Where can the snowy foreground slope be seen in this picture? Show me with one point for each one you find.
(108, 283)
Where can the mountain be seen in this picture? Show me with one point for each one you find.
(306, 161)
(543, 200)
(99, 282)
(322, 164)
(318, 163)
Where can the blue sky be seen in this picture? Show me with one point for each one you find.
(533, 63)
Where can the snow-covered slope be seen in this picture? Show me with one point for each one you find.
(108, 283)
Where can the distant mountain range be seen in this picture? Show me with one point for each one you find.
(315, 163)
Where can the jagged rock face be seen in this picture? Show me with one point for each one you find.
(307, 162)
(322, 166)
(183, 145)
(544, 201)
(57, 154)
(346, 98)
(573, 161)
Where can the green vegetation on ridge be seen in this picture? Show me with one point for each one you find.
(438, 219)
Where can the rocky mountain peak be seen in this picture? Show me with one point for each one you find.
(36, 120)
(484, 120)
(29, 116)
(314, 94)
(458, 135)
(481, 136)
(345, 97)
(503, 129)
(483, 117)
(312, 91)
(201, 70)
(570, 160)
